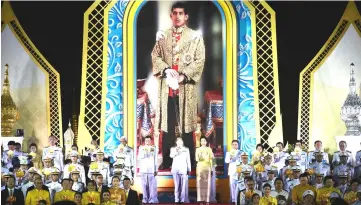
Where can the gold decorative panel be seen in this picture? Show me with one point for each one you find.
(267, 68)
(92, 73)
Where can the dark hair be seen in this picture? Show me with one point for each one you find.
(278, 179)
(342, 141)
(78, 193)
(235, 141)
(64, 203)
(327, 178)
(104, 191)
(126, 178)
(338, 201)
(298, 141)
(317, 141)
(203, 137)
(303, 175)
(254, 195)
(281, 143)
(11, 143)
(74, 145)
(17, 144)
(66, 179)
(33, 145)
(12, 177)
(180, 5)
(246, 179)
(115, 176)
(259, 145)
(91, 181)
(354, 181)
(148, 136)
(267, 185)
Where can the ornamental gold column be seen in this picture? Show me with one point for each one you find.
(9, 111)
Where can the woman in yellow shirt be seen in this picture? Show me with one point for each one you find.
(267, 199)
(204, 157)
(91, 196)
(117, 194)
(36, 156)
(106, 198)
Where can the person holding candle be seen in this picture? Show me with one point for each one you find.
(35, 156)
(35, 195)
(148, 169)
(204, 157)
(117, 194)
(47, 169)
(91, 196)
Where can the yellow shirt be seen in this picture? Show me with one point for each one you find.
(90, 197)
(298, 191)
(323, 194)
(204, 156)
(109, 203)
(35, 195)
(117, 194)
(267, 200)
(64, 195)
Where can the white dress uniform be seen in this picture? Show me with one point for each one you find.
(358, 158)
(180, 166)
(279, 159)
(244, 200)
(342, 188)
(56, 154)
(232, 158)
(341, 169)
(240, 183)
(54, 187)
(311, 156)
(7, 157)
(101, 167)
(336, 157)
(147, 167)
(290, 183)
(78, 187)
(128, 153)
(79, 167)
(301, 160)
(321, 167)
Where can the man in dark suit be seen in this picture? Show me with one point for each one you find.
(131, 195)
(100, 184)
(10, 195)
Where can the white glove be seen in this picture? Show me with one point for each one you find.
(172, 83)
(160, 35)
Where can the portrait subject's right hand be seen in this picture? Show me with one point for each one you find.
(172, 73)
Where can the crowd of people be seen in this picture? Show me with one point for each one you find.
(280, 177)
(294, 176)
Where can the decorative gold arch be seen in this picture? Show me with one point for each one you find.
(54, 119)
(350, 17)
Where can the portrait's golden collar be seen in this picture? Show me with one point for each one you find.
(179, 29)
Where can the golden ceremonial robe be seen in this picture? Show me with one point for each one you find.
(34, 196)
(298, 191)
(117, 194)
(90, 197)
(323, 194)
(191, 62)
(66, 195)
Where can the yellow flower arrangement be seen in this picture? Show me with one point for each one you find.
(233, 152)
(298, 150)
(10, 153)
(71, 167)
(93, 166)
(259, 168)
(311, 171)
(32, 154)
(19, 173)
(239, 169)
(248, 194)
(276, 150)
(351, 197)
(289, 172)
(47, 172)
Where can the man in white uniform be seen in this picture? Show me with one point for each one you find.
(318, 148)
(181, 167)
(127, 152)
(55, 153)
(148, 169)
(74, 165)
(232, 158)
(100, 166)
(336, 156)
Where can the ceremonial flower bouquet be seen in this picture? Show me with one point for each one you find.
(289, 172)
(47, 172)
(259, 168)
(10, 153)
(276, 150)
(71, 168)
(248, 194)
(32, 154)
(239, 169)
(310, 171)
(351, 197)
(94, 166)
(19, 173)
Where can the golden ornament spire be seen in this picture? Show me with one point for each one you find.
(9, 111)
